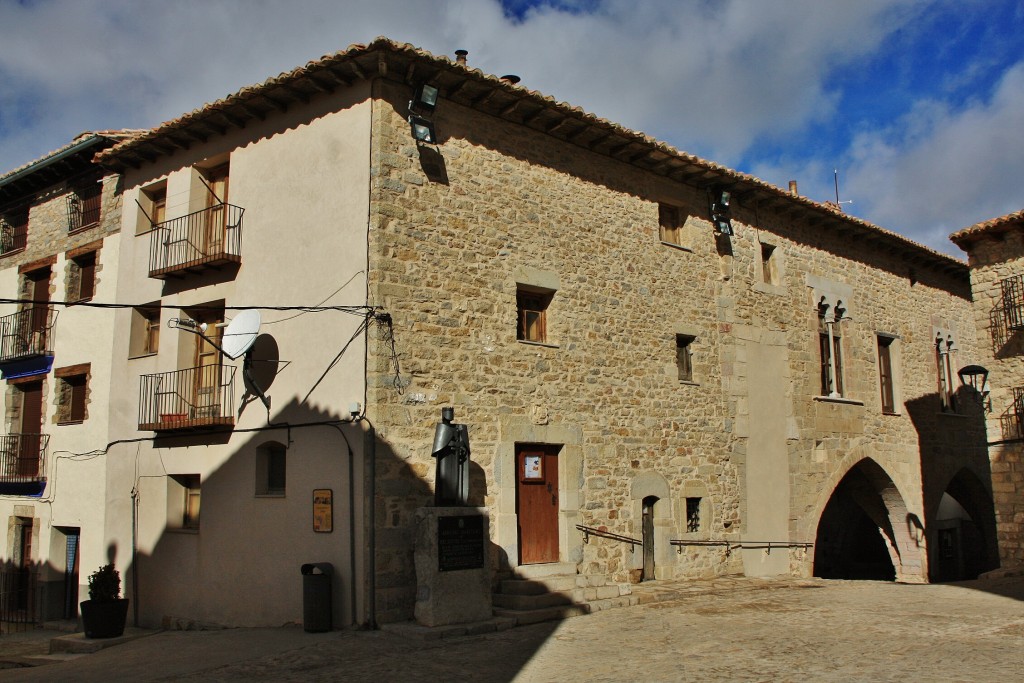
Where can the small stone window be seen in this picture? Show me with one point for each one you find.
(944, 350)
(271, 469)
(532, 306)
(82, 277)
(72, 393)
(769, 264)
(885, 374)
(684, 357)
(145, 331)
(670, 224)
(692, 515)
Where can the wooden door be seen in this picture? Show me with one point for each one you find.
(31, 428)
(206, 396)
(39, 292)
(213, 235)
(537, 503)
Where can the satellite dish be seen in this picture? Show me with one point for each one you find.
(240, 333)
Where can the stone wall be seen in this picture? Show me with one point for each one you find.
(993, 260)
(454, 228)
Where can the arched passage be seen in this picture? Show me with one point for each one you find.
(964, 542)
(859, 533)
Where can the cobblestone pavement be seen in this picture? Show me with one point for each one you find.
(723, 630)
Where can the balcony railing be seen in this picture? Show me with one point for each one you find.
(27, 333)
(1013, 302)
(203, 239)
(187, 399)
(13, 237)
(23, 458)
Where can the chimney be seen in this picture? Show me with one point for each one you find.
(511, 79)
(460, 57)
(792, 188)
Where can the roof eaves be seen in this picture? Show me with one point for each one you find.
(966, 236)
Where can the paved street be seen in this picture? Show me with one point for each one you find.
(724, 630)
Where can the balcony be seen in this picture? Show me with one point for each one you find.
(13, 237)
(209, 238)
(189, 399)
(27, 334)
(22, 460)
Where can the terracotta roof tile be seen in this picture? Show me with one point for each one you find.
(989, 227)
(119, 134)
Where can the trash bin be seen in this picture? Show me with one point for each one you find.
(316, 596)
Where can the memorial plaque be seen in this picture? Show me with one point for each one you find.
(460, 542)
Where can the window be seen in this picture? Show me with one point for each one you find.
(684, 357)
(670, 224)
(145, 331)
(944, 348)
(271, 470)
(82, 277)
(532, 308)
(14, 230)
(830, 345)
(84, 206)
(692, 515)
(183, 499)
(153, 205)
(72, 391)
(769, 264)
(885, 374)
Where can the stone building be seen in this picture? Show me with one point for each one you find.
(669, 369)
(59, 218)
(995, 252)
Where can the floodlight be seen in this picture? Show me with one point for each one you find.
(422, 129)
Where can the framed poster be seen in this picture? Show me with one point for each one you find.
(533, 467)
(323, 510)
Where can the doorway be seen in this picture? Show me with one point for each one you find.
(31, 428)
(647, 525)
(537, 503)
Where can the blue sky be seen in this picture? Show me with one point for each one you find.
(919, 104)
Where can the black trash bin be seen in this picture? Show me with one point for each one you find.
(316, 596)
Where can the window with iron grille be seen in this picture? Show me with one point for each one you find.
(692, 515)
(84, 206)
(13, 230)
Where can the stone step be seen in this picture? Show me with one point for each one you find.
(538, 586)
(530, 602)
(538, 571)
(535, 616)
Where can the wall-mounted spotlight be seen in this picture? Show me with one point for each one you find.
(424, 99)
(720, 210)
(422, 129)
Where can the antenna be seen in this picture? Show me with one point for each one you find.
(835, 174)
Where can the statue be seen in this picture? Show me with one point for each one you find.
(451, 449)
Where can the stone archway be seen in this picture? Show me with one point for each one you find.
(864, 532)
(964, 542)
(652, 512)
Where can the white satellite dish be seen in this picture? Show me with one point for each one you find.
(240, 333)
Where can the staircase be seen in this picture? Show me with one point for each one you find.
(546, 592)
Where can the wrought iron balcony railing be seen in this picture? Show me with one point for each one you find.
(203, 239)
(23, 458)
(1013, 302)
(27, 333)
(187, 399)
(13, 237)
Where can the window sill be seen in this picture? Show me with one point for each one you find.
(142, 355)
(83, 228)
(766, 288)
(80, 301)
(838, 399)
(64, 423)
(270, 495)
(527, 342)
(180, 530)
(950, 413)
(673, 245)
(12, 252)
(688, 383)
(891, 413)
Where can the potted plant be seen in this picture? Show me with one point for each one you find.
(105, 612)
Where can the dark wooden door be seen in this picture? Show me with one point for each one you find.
(31, 427)
(648, 537)
(537, 503)
(40, 292)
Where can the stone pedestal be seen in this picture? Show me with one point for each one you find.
(453, 578)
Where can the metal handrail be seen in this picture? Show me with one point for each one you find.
(589, 531)
(740, 545)
(23, 457)
(202, 395)
(204, 236)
